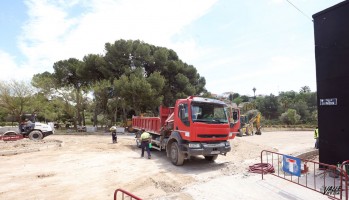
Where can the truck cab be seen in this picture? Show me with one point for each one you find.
(200, 127)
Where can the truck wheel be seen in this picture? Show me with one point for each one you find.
(130, 129)
(35, 135)
(177, 157)
(211, 158)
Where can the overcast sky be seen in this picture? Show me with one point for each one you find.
(235, 45)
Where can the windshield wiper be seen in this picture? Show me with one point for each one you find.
(220, 121)
(200, 120)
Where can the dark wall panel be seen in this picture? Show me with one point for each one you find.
(331, 28)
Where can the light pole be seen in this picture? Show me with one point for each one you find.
(254, 92)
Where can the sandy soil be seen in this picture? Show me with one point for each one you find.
(91, 167)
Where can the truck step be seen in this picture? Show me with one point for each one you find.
(155, 142)
(157, 148)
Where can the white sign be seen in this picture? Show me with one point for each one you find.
(328, 102)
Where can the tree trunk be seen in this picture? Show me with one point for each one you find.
(116, 113)
(124, 115)
(135, 106)
(83, 118)
(95, 113)
(78, 110)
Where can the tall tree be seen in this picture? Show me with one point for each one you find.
(94, 69)
(269, 106)
(57, 103)
(67, 73)
(16, 98)
(140, 93)
(236, 95)
(181, 79)
(305, 89)
(102, 92)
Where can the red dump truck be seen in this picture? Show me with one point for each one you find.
(194, 126)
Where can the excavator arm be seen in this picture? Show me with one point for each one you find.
(256, 120)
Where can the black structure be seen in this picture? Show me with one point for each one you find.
(331, 28)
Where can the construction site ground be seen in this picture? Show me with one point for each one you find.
(92, 167)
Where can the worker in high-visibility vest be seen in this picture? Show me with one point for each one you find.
(316, 137)
(145, 141)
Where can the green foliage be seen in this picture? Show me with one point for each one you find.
(135, 77)
(286, 99)
(305, 89)
(45, 82)
(68, 73)
(302, 109)
(181, 79)
(290, 117)
(236, 95)
(269, 106)
(247, 106)
(314, 117)
(16, 98)
(230, 97)
(238, 100)
(245, 98)
(140, 93)
(94, 69)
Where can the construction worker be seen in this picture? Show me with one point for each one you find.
(145, 140)
(29, 125)
(113, 134)
(316, 137)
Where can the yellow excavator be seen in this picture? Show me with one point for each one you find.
(250, 126)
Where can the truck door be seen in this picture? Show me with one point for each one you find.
(234, 122)
(183, 114)
(183, 124)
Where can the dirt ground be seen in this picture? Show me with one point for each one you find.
(91, 167)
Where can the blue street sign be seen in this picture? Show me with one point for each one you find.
(291, 165)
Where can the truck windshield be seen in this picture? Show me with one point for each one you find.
(209, 112)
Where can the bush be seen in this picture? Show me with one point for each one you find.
(290, 117)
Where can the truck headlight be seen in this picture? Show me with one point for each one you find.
(231, 134)
(194, 145)
(227, 143)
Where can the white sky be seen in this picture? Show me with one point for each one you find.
(235, 45)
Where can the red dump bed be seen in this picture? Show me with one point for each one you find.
(152, 124)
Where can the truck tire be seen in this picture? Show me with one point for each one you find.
(35, 135)
(130, 129)
(177, 157)
(211, 158)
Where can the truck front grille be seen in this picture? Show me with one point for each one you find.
(212, 136)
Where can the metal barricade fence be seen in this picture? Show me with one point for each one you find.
(345, 167)
(124, 194)
(320, 177)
